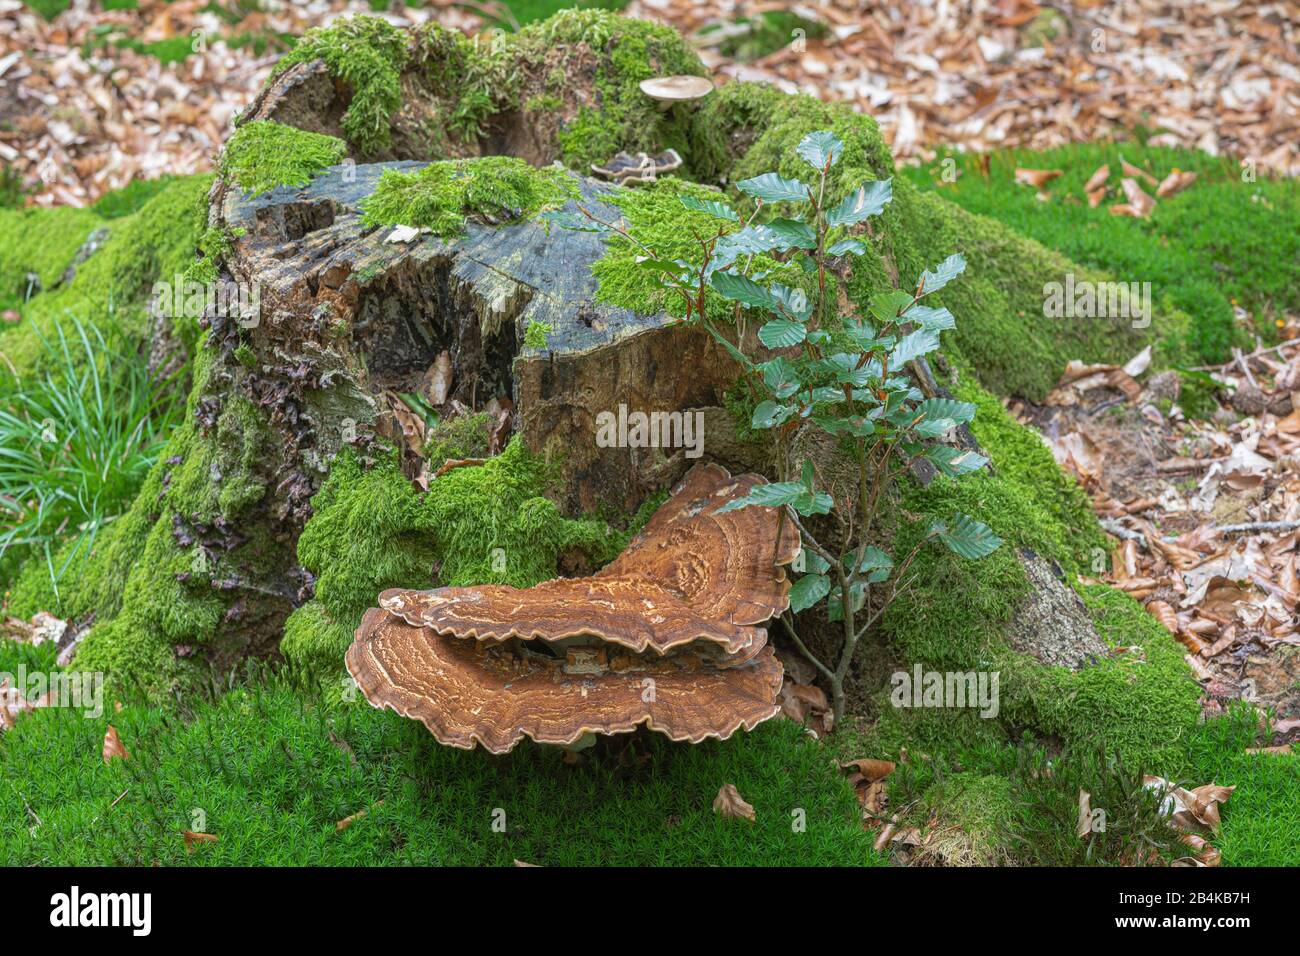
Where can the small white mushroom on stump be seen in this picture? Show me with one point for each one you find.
(668, 90)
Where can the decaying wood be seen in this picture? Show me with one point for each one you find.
(364, 314)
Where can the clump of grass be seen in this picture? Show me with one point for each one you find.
(442, 195)
(1124, 825)
(76, 441)
(265, 154)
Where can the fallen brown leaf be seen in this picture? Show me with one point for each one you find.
(1097, 180)
(1038, 178)
(113, 746)
(1137, 198)
(871, 770)
(1175, 183)
(730, 805)
(193, 840)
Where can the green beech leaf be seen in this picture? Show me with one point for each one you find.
(782, 333)
(713, 207)
(742, 289)
(867, 200)
(876, 565)
(810, 561)
(769, 414)
(820, 149)
(854, 246)
(793, 234)
(954, 462)
(808, 590)
(774, 494)
(959, 412)
(792, 300)
(913, 345)
(967, 537)
(936, 320)
(886, 306)
(770, 187)
(943, 273)
(780, 377)
(749, 241)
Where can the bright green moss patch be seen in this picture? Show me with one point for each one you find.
(131, 197)
(1023, 458)
(368, 54)
(113, 287)
(37, 245)
(371, 530)
(273, 769)
(1219, 242)
(1261, 822)
(1139, 705)
(627, 51)
(263, 155)
(440, 196)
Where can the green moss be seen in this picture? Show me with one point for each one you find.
(371, 529)
(1261, 823)
(1218, 243)
(367, 54)
(976, 816)
(955, 617)
(263, 155)
(113, 287)
(1139, 705)
(131, 197)
(440, 196)
(39, 243)
(463, 436)
(627, 52)
(314, 640)
(535, 335)
(274, 769)
(1023, 459)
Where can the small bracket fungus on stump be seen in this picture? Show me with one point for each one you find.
(667, 635)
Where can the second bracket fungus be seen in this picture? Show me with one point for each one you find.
(667, 635)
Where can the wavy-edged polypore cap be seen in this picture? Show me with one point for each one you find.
(467, 693)
(694, 573)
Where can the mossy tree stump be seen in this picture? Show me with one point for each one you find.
(279, 513)
(348, 313)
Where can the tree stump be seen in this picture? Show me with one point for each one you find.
(369, 315)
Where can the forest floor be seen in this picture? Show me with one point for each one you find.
(1195, 472)
(146, 87)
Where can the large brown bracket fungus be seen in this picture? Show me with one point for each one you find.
(668, 635)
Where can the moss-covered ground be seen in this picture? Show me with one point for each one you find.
(1231, 239)
(272, 764)
(271, 769)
